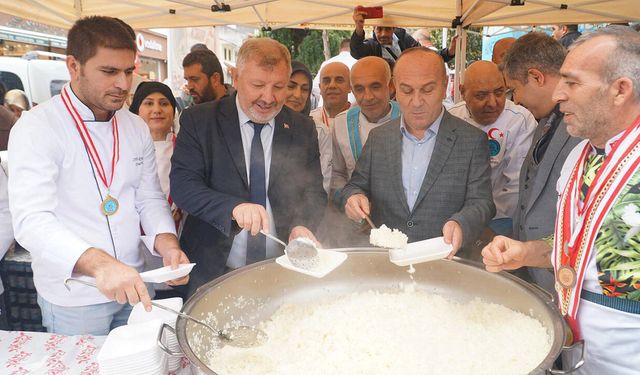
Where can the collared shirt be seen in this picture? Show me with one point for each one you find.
(324, 143)
(416, 155)
(55, 202)
(510, 137)
(343, 162)
(238, 254)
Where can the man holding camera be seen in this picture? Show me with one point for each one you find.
(387, 42)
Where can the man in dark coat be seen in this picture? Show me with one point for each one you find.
(243, 164)
(387, 42)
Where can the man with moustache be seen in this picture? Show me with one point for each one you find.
(595, 246)
(532, 71)
(246, 163)
(388, 41)
(84, 182)
(426, 173)
(509, 128)
(204, 76)
(334, 88)
(371, 85)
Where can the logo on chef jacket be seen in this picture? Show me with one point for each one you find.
(495, 136)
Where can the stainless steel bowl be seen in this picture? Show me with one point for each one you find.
(253, 293)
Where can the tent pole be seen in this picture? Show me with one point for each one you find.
(460, 61)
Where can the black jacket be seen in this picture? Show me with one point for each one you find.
(371, 47)
(569, 38)
(209, 179)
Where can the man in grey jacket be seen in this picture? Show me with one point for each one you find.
(532, 71)
(428, 172)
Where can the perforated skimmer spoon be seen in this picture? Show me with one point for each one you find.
(302, 252)
(239, 336)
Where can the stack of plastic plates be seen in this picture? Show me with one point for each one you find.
(140, 315)
(132, 350)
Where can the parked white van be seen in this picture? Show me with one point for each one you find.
(39, 79)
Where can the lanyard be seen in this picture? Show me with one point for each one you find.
(578, 225)
(88, 141)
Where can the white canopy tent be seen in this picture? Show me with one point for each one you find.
(330, 14)
(325, 13)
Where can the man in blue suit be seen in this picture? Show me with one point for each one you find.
(246, 163)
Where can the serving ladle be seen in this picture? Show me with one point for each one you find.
(239, 336)
(302, 252)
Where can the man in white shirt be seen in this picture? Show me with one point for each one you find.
(83, 185)
(371, 85)
(594, 249)
(334, 87)
(344, 56)
(509, 127)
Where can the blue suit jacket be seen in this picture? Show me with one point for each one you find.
(209, 179)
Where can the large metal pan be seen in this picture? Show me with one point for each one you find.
(253, 293)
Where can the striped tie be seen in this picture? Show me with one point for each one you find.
(594, 162)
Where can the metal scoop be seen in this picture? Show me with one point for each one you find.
(240, 336)
(302, 251)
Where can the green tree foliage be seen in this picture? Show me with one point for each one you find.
(474, 42)
(306, 45)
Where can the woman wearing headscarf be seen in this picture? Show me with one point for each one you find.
(155, 104)
(299, 100)
(299, 88)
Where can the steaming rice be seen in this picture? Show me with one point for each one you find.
(386, 237)
(391, 333)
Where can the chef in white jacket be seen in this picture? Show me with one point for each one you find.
(84, 185)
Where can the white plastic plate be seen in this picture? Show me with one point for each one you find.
(329, 260)
(160, 275)
(420, 251)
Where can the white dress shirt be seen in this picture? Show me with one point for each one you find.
(238, 254)
(55, 200)
(510, 135)
(324, 143)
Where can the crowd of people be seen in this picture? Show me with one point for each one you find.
(535, 171)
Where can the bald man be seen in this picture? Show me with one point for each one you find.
(509, 128)
(426, 173)
(371, 85)
(500, 48)
(334, 88)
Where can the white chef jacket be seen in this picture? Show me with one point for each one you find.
(611, 336)
(54, 198)
(6, 230)
(510, 135)
(343, 162)
(324, 144)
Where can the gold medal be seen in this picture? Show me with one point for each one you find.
(568, 339)
(566, 277)
(109, 205)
